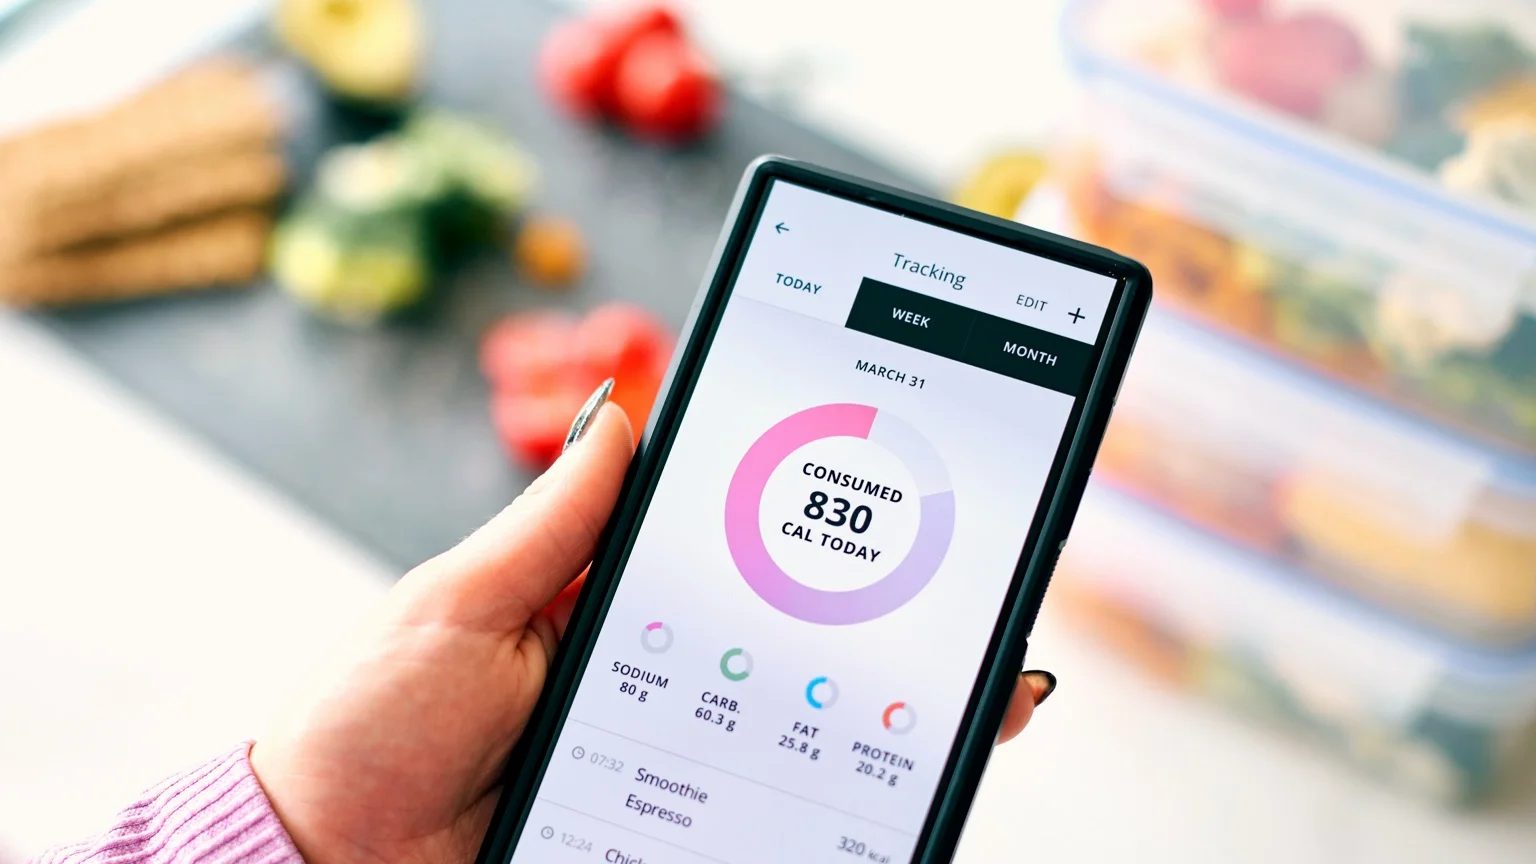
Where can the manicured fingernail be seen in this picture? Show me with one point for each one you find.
(587, 412)
(1042, 683)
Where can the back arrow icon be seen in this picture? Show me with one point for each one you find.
(781, 227)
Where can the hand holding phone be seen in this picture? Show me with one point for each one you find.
(803, 625)
(868, 719)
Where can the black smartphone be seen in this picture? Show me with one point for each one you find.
(808, 613)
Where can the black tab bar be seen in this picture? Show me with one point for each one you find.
(971, 337)
(1028, 354)
(911, 319)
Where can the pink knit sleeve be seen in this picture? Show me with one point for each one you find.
(213, 814)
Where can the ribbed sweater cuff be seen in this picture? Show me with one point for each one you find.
(213, 814)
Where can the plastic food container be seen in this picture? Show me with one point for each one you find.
(1422, 712)
(1438, 526)
(1354, 187)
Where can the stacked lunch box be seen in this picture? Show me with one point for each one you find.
(1318, 495)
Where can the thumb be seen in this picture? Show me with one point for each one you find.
(509, 569)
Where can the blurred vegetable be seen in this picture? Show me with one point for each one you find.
(550, 252)
(1000, 185)
(1515, 360)
(1446, 65)
(357, 247)
(364, 50)
(485, 179)
(1499, 162)
(1318, 306)
(1515, 99)
(543, 365)
(636, 66)
(1426, 142)
(354, 267)
(366, 239)
(473, 159)
(1418, 320)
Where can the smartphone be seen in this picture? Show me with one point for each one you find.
(806, 617)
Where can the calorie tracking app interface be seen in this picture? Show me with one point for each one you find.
(790, 649)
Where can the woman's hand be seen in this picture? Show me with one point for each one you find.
(396, 757)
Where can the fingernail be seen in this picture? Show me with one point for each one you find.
(587, 412)
(1042, 683)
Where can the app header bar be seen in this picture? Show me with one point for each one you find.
(812, 252)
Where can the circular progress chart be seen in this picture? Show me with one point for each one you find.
(744, 501)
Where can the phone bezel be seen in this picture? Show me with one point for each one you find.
(1063, 491)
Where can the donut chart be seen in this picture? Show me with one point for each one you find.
(899, 717)
(821, 693)
(656, 637)
(743, 506)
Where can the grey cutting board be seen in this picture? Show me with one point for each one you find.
(385, 432)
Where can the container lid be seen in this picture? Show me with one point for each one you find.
(1427, 477)
(1218, 593)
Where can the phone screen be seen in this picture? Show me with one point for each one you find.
(815, 581)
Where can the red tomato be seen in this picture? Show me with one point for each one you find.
(666, 89)
(629, 345)
(579, 60)
(543, 365)
(532, 427)
(528, 351)
(619, 336)
(635, 391)
(577, 65)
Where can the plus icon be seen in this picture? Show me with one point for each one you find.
(1077, 314)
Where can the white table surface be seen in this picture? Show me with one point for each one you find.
(156, 602)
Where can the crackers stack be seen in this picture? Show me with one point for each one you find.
(168, 190)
